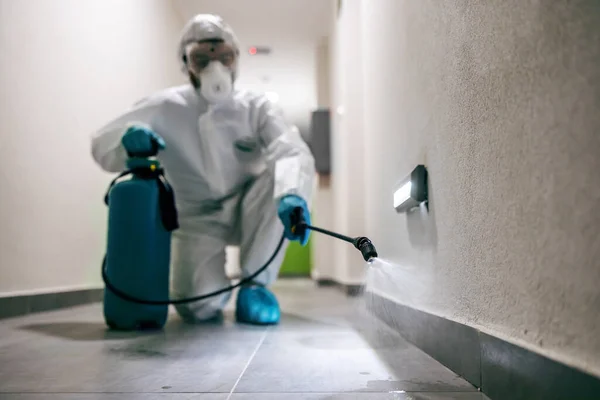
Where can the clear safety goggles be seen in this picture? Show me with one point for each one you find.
(200, 54)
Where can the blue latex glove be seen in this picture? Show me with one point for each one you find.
(142, 142)
(257, 305)
(287, 204)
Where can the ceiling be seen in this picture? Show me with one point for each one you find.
(266, 22)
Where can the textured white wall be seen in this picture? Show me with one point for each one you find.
(500, 100)
(68, 66)
(322, 210)
(348, 155)
(322, 80)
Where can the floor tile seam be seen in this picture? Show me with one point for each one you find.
(266, 392)
(258, 346)
(363, 392)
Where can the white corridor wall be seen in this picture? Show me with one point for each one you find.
(68, 66)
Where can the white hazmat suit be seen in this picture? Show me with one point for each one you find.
(228, 165)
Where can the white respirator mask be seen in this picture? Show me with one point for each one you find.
(216, 83)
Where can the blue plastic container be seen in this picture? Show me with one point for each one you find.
(138, 248)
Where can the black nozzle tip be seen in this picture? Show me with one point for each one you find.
(366, 247)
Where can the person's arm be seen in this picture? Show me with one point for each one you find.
(292, 165)
(288, 156)
(106, 147)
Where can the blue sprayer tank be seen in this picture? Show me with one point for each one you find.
(141, 217)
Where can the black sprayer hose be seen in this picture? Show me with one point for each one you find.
(363, 244)
(243, 281)
(330, 233)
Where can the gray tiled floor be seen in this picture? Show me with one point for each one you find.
(327, 347)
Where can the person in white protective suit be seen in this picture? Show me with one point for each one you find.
(237, 169)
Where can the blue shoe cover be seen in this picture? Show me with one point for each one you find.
(257, 305)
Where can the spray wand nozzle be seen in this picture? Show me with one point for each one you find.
(363, 244)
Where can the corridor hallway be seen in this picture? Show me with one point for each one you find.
(327, 346)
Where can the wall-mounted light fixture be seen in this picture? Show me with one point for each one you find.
(411, 191)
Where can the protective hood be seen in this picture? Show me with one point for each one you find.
(207, 26)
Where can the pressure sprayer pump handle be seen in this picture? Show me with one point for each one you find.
(298, 222)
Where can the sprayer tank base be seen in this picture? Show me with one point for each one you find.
(137, 257)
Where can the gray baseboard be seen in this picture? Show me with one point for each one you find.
(16, 306)
(350, 290)
(500, 369)
(326, 282)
